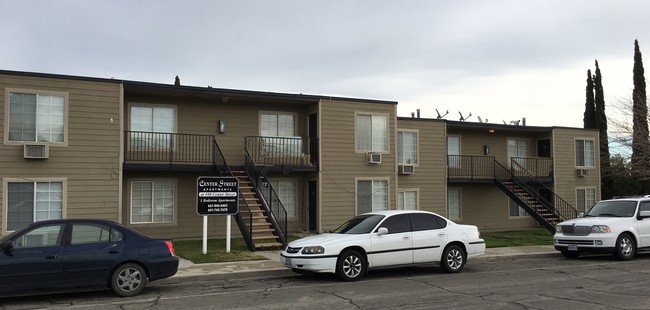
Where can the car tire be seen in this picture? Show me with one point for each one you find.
(625, 247)
(453, 259)
(128, 280)
(571, 254)
(350, 266)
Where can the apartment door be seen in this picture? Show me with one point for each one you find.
(313, 138)
(544, 148)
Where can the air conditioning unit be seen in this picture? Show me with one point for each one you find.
(407, 169)
(36, 151)
(374, 158)
(582, 172)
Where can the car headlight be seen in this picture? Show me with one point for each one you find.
(558, 229)
(313, 250)
(600, 229)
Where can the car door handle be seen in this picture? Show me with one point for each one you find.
(405, 237)
(441, 234)
(51, 256)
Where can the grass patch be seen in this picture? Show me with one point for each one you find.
(192, 250)
(537, 236)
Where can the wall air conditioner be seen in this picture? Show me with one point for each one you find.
(36, 151)
(407, 169)
(582, 172)
(374, 158)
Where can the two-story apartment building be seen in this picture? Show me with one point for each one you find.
(132, 151)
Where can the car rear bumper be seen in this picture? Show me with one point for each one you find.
(475, 248)
(162, 268)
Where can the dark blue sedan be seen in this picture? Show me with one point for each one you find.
(74, 254)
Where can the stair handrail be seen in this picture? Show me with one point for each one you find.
(243, 228)
(559, 206)
(270, 199)
(501, 177)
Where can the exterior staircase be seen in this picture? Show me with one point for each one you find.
(255, 221)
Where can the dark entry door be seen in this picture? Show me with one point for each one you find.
(544, 148)
(313, 206)
(313, 138)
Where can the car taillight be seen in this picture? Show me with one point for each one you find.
(170, 246)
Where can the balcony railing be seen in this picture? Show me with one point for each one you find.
(475, 168)
(285, 151)
(162, 147)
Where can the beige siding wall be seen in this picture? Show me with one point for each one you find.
(90, 163)
(474, 141)
(430, 177)
(342, 166)
(566, 179)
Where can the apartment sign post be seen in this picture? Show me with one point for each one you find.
(217, 196)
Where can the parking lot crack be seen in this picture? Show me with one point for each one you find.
(348, 300)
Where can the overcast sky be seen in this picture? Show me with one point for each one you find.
(500, 60)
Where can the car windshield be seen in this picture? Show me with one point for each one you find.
(362, 224)
(613, 209)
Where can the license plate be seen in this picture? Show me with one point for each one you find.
(286, 261)
(573, 247)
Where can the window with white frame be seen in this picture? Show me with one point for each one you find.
(407, 200)
(585, 198)
(372, 133)
(584, 153)
(372, 195)
(152, 201)
(514, 210)
(277, 125)
(37, 117)
(286, 190)
(407, 147)
(453, 204)
(28, 202)
(152, 126)
(517, 149)
(453, 151)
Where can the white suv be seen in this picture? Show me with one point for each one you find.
(617, 226)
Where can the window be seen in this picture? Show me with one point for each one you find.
(43, 236)
(584, 153)
(453, 203)
(286, 190)
(372, 133)
(407, 147)
(453, 151)
(152, 126)
(518, 149)
(277, 125)
(152, 201)
(372, 195)
(407, 200)
(37, 117)
(28, 202)
(586, 198)
(83, 233)
(424, 221)
(397, 224)
(514, 210)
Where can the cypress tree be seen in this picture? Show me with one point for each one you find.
(600, 122)
(590, 112)
(639, 116)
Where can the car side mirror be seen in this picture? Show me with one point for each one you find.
(581, 214)
(7, 246)
(382, 231)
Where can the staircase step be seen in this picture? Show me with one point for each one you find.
(265, 237)
(259, 231)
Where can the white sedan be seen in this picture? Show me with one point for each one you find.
(385, 239)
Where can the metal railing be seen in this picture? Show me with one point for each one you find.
(537, 166)
(279, 150)
(269, 198)
(168, 147)
(555, 203)
(474, 167)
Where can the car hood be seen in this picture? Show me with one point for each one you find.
(602, 220)
(323, 239)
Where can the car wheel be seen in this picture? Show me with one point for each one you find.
(128, 280)
(453, 259)
(350, 266)
(571, 254)
(625, 247)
